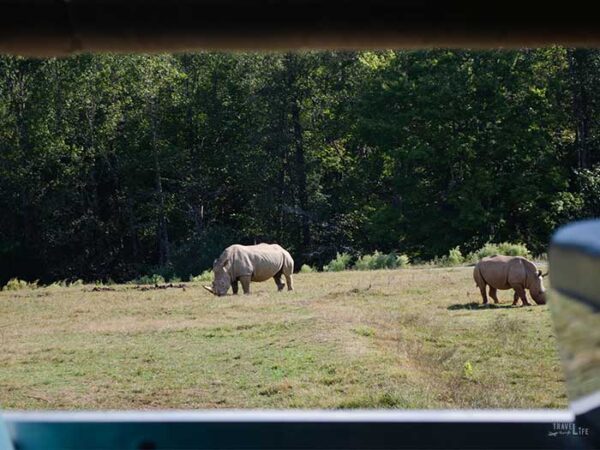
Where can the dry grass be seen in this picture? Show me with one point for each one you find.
(410, 338)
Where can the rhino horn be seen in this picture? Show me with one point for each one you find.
(209, 289)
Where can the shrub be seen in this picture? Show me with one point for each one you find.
(150, 279)
(381, 261)
(485, 251)
(156, 274)
(66, 284)
(341, 262)
(402, 261)
(307, 269)
(363, 263)
(14, 284)
(504, 248)
(204, 276)
(453, 258)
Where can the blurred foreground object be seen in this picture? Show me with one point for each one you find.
(50, 28)
(574, 265)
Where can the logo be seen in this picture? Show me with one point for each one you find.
(568, 429)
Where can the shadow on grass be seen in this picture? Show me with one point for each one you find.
(478, 306)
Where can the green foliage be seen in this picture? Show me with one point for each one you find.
(68, 284)
(341, 262)
(150, 279)
(504, 248)
(207, 275)
(453, 258)
(588, 181)
(14, 284)
(118, 166)
(307, 269)
(509, 249)
(379, 260)
(364, 262)
(402, 261)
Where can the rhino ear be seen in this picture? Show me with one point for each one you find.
(221, 263)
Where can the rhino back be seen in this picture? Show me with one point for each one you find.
(260, 261)
(495, 271)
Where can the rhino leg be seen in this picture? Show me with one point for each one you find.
(483, 293)
(522, 295)
(245, 281)
(493, 292)
(278, 281)
(289, 281)
(515, 298)
(234, 287)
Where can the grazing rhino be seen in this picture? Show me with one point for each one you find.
(245, 263)
(510, 272)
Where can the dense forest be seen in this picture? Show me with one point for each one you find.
(115, 166)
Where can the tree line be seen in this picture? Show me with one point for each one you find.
(115, 166)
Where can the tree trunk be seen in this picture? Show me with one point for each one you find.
(301, 175)
(579, 62)
(164, 256)
(298, 147)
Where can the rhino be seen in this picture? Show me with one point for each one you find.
(245, 263)
(510, 272)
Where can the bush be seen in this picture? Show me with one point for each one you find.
(204, 276)
(381, 261)
(14, 284)
(504, 248)
(364, 262)
(341, 262)
(150, 279)
(157, 274)
(453, 258)
(402, 261)
(307, 269)
(65, 284)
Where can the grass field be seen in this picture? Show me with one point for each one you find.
(410, 338)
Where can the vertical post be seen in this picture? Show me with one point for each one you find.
(574, 266)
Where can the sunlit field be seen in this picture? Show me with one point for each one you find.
(409, 338)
